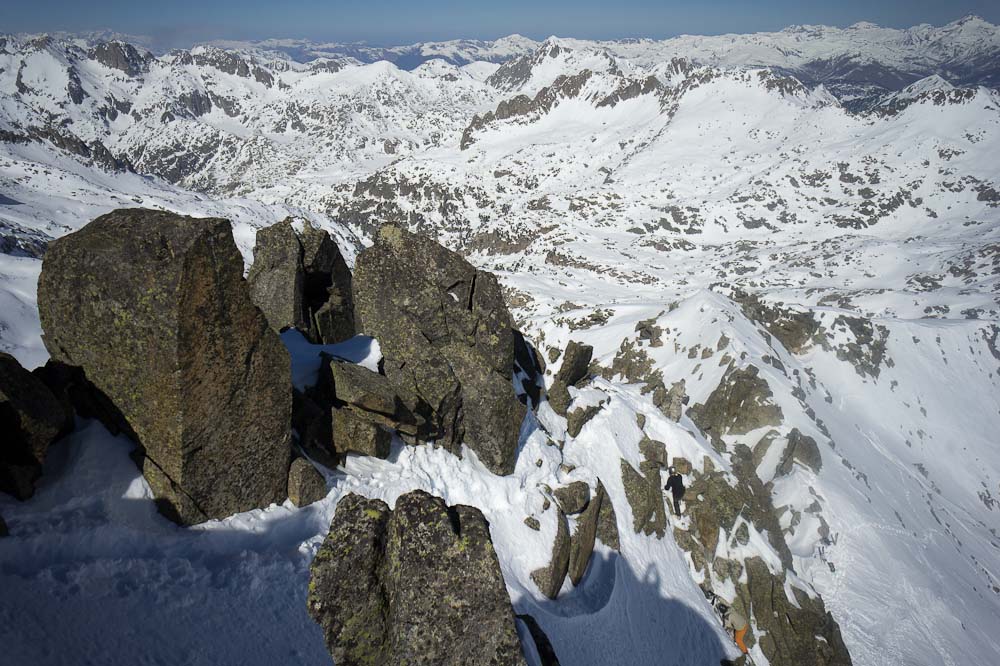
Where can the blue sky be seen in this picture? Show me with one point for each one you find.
(177, 22)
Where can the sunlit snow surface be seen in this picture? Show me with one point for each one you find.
(90, 549)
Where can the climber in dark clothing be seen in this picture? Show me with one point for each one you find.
(675, 484)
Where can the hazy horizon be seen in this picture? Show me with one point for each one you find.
(393, 22)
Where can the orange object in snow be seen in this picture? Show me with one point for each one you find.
(738, 637)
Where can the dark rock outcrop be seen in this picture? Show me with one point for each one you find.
(800, 449)
(530, 367)
(374, 398)
(446, 337)
(77, 394)
(3, 528)
(739, 404)
(572, 498)
(790, 633)
(575, 368)
(582, 542)
(645, 495)
(305, 484)
(314, 428)
(153, 306)
(576, 419)
(417, 585)
(607, 521)
(549, 578)
(31, 418)
(299, 279)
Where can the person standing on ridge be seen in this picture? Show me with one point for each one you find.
(675, 484)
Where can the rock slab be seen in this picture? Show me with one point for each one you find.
(153, 306)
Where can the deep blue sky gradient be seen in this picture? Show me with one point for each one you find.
(390, 22)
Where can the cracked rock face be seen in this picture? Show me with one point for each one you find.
(419, 584)
(154, 308)
(299, 279)
(446, 337)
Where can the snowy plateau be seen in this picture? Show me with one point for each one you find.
(803, 226)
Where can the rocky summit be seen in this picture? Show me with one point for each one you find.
(562, 351)
(418, 584)
(447, 337)
(153, 307)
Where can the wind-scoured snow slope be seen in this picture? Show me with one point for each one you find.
(822, 204)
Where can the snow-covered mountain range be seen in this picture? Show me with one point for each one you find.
(822, 204)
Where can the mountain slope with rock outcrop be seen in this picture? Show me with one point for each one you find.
(525, 286)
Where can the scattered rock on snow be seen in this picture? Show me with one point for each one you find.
(31, 418)
(153, 306)
(420, 584)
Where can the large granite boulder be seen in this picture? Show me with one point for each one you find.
(153, 306)
(299, 279)
(573, 497)
(374, 398)
(31, 418)
(276, 277)
(420, 584)
(446, 338)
